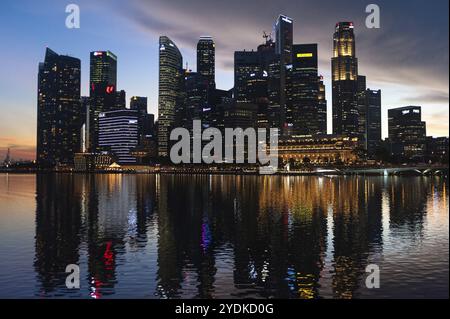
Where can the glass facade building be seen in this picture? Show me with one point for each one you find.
(58, 110)
(102, 90)
(170, 73)
(206, 60)
(344, 70)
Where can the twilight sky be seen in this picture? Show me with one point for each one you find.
(407, 58)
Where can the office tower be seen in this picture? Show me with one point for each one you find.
(322, 107)
(284, 38)
(437, 149)
(170, 66)
(206, 59)
(118, 134)
(247, 64)
(139, 104)
(372, 115)
(120, 102)
(102, 89)
(257, 81)
(344, 69)
(407, 132)
(196, 98)
(361, 105)
(283, 47)
(59, 110)
(86, 123)
(302, 82)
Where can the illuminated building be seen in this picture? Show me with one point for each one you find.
(322, 108)
(59, 110)
(170, 66)
(344, 69)
(302, 80)
(103, 90)
(118, 134)
(437, 149)
(206, 59)
(318, 149)
(283, 47)
(257, 81)
(146, 121)
(407, 132)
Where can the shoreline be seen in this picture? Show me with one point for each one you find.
(379, 171)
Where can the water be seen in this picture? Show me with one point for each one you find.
(168, 236)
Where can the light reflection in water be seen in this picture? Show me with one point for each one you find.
(233, 236)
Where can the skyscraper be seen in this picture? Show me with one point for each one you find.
(372, 134)
(103, 89)
(170, 66)
(257, 81)
(283, 47)
(59, 110)
(284, 38)
(344, 65)
(302, 106)
(407, 132)
(206, 59)
(322, 107)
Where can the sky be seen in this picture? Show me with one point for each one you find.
(407, 57)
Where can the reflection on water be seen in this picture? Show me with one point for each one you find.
(205, 236)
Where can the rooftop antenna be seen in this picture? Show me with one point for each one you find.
(265, 36)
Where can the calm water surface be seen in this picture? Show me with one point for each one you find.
(151, 236)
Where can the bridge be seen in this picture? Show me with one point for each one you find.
(386, 171)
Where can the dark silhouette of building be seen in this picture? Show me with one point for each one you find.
(372, 121)
(407, 132)
(59, 110)
(170, 72)
(344, 69)
(206, 60)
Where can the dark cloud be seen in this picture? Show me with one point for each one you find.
(411, 47)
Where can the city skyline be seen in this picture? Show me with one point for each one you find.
(429, 91)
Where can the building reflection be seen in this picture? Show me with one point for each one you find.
(222, 236)
(104, 215)
(58, 224)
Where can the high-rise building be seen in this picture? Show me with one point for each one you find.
(118, 134)
(102, 88)
(284, 38)
(407, 132)
(257, 81)
(59, 110)
(86, 124)
(170, 72)
(322, 107)
(121, 97)
(344, 69)
(139, 104)
(206, 60)
(283, 47)
(302, 106)
(372, 117)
